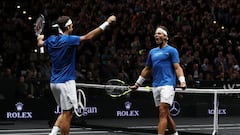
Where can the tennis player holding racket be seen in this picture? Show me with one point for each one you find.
(163, 64)
(62, 49)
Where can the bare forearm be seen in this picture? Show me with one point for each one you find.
(146, 72)
(91, 34)
(142, 77)
(179, 72)
(40, 40)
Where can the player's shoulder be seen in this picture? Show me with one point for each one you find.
(171, 47)
(153, 50)
(50, 38)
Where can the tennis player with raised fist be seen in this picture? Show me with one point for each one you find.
(62, 50)
(163, 64)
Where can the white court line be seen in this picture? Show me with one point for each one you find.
(38, 129)
(200, 129)
(210, 125)
(44, 133)
(194, 127)
(22, 130)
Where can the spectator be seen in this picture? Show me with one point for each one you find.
(202, 26)
(24, 90)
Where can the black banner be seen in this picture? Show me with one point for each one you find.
(99, 105)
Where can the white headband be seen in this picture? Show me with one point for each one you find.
(163, 31)
(69, 22)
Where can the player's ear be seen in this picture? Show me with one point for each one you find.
(68, 27)
(165, 38)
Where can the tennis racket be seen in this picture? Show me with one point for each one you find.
(39, 25)
(115, 91)
(114, 88)
(82, 102)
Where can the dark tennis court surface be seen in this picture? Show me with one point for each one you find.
(130, 126)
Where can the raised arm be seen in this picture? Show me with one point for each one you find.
(99, 29)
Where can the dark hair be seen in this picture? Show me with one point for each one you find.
(61, 21)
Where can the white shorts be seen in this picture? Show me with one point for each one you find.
(163, 94)
(65, 94)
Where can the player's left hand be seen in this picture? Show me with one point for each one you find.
(111, 19)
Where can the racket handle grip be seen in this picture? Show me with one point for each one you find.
(42, 49)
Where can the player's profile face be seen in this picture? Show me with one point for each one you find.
(70, 28)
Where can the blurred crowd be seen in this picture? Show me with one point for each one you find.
(206, 33)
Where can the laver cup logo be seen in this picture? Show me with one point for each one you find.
(19, 114)
(128, 112)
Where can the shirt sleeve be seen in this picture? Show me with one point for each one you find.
(74, 40)
(175, 56)
(149, 59)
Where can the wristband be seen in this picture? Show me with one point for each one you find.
(181, 79)
(140, 81)
(104, 25)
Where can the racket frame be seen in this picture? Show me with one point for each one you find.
(39, 25)
(123, 89)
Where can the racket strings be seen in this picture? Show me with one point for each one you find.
(39, 25)
(115, 91)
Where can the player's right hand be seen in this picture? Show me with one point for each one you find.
(111, 19)
(133, 87)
